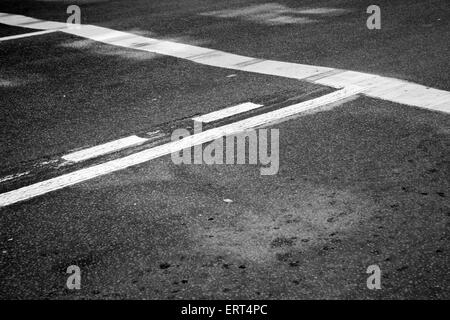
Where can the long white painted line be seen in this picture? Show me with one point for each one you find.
(227, 112)
(376, 86)
(85, 174)
(26, 35)
(103, 149)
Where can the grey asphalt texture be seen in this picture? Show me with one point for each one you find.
(364, 183)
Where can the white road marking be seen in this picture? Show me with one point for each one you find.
(377, 86)
(13, 176)
(26, 35)
(103, 149)
(227, 112)
(392, 89)
(85, 174)
(28, 22)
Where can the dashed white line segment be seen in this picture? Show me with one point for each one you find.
(227, 112)
(103, 149)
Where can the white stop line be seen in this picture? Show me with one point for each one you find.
(390, 89)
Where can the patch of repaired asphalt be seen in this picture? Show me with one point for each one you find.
(263, 227)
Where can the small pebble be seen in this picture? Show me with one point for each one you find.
(164, 265)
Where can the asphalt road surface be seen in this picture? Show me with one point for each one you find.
(363, 180)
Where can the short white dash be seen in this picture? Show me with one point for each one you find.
(103, 149)
(227, 112)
